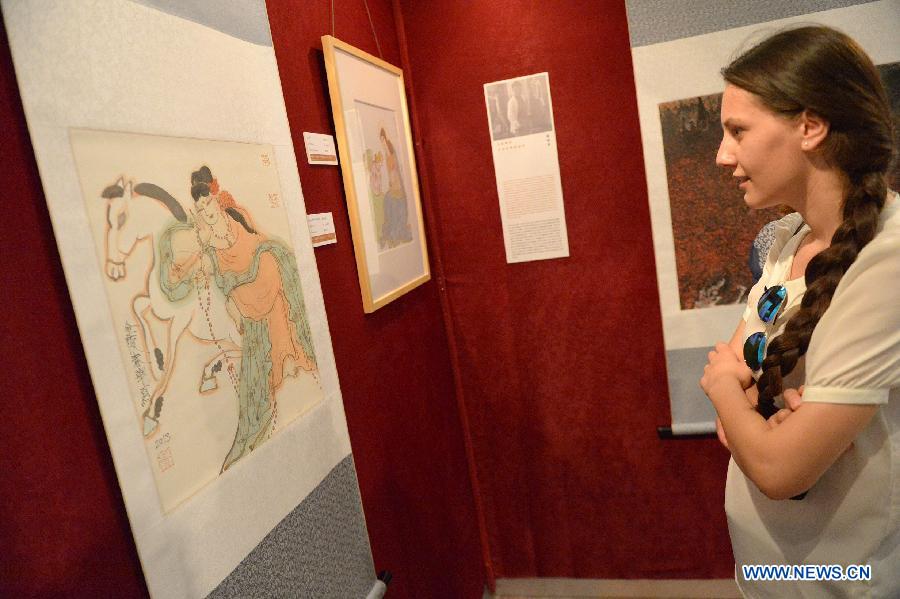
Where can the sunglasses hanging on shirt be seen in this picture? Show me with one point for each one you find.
(768, 308)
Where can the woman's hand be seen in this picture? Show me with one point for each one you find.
(793, 398)
(724, 365)
(206, 264)
(203, 229)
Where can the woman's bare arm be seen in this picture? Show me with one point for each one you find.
(786, 460)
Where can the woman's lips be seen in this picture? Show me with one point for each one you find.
(742, 182)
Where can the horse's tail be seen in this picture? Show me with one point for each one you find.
(158, 193)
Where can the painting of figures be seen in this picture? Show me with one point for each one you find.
(386, 175)
(378, 166)
(205, 295)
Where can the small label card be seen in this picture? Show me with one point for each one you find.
(321, 228)
(320, 148)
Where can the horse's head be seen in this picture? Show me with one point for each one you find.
(120, 237)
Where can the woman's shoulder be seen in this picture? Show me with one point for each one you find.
(889, 220)
(880, 257)
(886, 243)
(856, 342)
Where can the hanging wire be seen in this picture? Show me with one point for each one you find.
(371, 24)
(373, 28)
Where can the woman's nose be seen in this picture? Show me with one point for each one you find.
(725, 155)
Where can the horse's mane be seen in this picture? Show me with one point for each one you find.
(158, 193)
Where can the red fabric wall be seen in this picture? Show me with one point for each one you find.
(394, 364)
(63, 529)
(561, 362)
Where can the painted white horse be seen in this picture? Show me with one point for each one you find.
(140, 214)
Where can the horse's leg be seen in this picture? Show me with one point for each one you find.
(179, 323)
(221, 361)
(143, 311)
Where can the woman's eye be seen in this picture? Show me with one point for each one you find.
(736, 131)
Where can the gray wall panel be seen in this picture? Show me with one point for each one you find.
(243, 19)
(655, 21)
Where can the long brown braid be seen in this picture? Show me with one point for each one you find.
(825, 72)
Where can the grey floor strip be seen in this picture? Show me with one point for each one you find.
(321, 549)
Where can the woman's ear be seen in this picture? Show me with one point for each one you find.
(814, 129)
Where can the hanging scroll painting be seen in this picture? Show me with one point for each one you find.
(169, 172)
(205, 295)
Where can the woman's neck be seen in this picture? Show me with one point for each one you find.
(821, 204)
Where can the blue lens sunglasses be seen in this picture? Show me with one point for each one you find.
(768, 308)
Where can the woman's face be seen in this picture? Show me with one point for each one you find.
(208, 207)
(763, 150)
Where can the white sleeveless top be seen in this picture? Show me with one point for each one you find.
(852, 514)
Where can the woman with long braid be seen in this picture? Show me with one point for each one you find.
(808, 389)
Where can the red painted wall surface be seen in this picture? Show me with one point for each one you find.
(561, 361)
(63, 529)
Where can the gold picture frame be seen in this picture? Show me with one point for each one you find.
(378, 165)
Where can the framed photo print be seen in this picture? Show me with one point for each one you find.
(379, 169)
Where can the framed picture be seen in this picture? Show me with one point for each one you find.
(379, 168)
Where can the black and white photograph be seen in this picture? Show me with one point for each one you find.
(520, 106)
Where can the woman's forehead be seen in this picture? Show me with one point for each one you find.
(738, 102)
